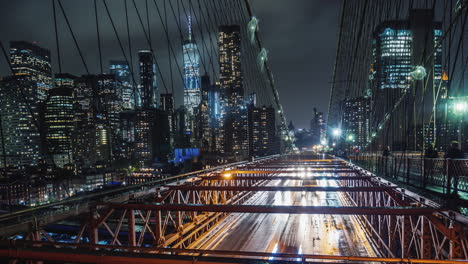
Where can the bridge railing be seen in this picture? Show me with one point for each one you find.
(449, 176)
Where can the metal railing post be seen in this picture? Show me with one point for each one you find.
(407, 170)
(448, 174)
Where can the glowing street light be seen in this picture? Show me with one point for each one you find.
(336, 132)
(460, 107)
(350, 137)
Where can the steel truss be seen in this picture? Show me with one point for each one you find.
(178, 215)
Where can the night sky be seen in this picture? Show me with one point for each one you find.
(300, 36)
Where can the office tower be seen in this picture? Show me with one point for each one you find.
(191, 56)
(20, 121)
(59, 120)
(167, 105)
(144, 122)
(124, 83)
(182, 133)
(167, 102)
(229, 42)
(109, 108)
(252, 101)
(356, 121)
(399, 47)
(317, 127)
(145, 136)
(262, 131)
(127, 134)
(85, 139)
(148, 91)
(233, 133)
(32, 62)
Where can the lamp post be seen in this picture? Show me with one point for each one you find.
(460, 108)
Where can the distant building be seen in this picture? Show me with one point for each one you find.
(20, 121)
(233, 134)
(399, 48)
(59, 120)
(167, 105)
(109, 107)
(86, 121)
(33, 63)
(149, 93)
(146, 136)
(317, 127)
(356, 121)
(262, 132)
(191, 57)
(229, 42)
(123, 78)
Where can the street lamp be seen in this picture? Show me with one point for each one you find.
(323, 142)
(459, 108)
(350, 138)
(336, 132)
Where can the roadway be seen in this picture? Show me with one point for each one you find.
(288, 233)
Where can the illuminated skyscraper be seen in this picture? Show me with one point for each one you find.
(191, 56)
(400, 47)
(32, 62)
(59, 119)
(234, 129)
(123, 77)
(230, 65)
(20, 121)
(109, 108)
(85, 138)
(262, 131)
(148, 92)
(356, 120)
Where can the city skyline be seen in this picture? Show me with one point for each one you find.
(286, 75)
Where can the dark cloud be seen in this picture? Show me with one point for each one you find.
(299, 34)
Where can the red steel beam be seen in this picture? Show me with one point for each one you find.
(237, 172)
(336, 178)
(153, 255)
(280, 188)
(267, 209)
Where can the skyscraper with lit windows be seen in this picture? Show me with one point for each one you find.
(401, 47)
(148, 91)
(356, 120)
(229, 41)
(123, 78)
(20, 121)
(191, 57)
(234, 130)
(59, 120)
(262, 131)
(30, 61)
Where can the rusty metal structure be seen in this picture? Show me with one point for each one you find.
(160, 226)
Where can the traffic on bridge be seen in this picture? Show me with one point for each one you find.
(292, 207)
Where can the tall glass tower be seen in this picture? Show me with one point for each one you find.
(59, 119)
(400, 48)
(149, 94)
(121, 70)
(32, 62)
(192, 92)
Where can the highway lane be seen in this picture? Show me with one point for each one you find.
(284, 233)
